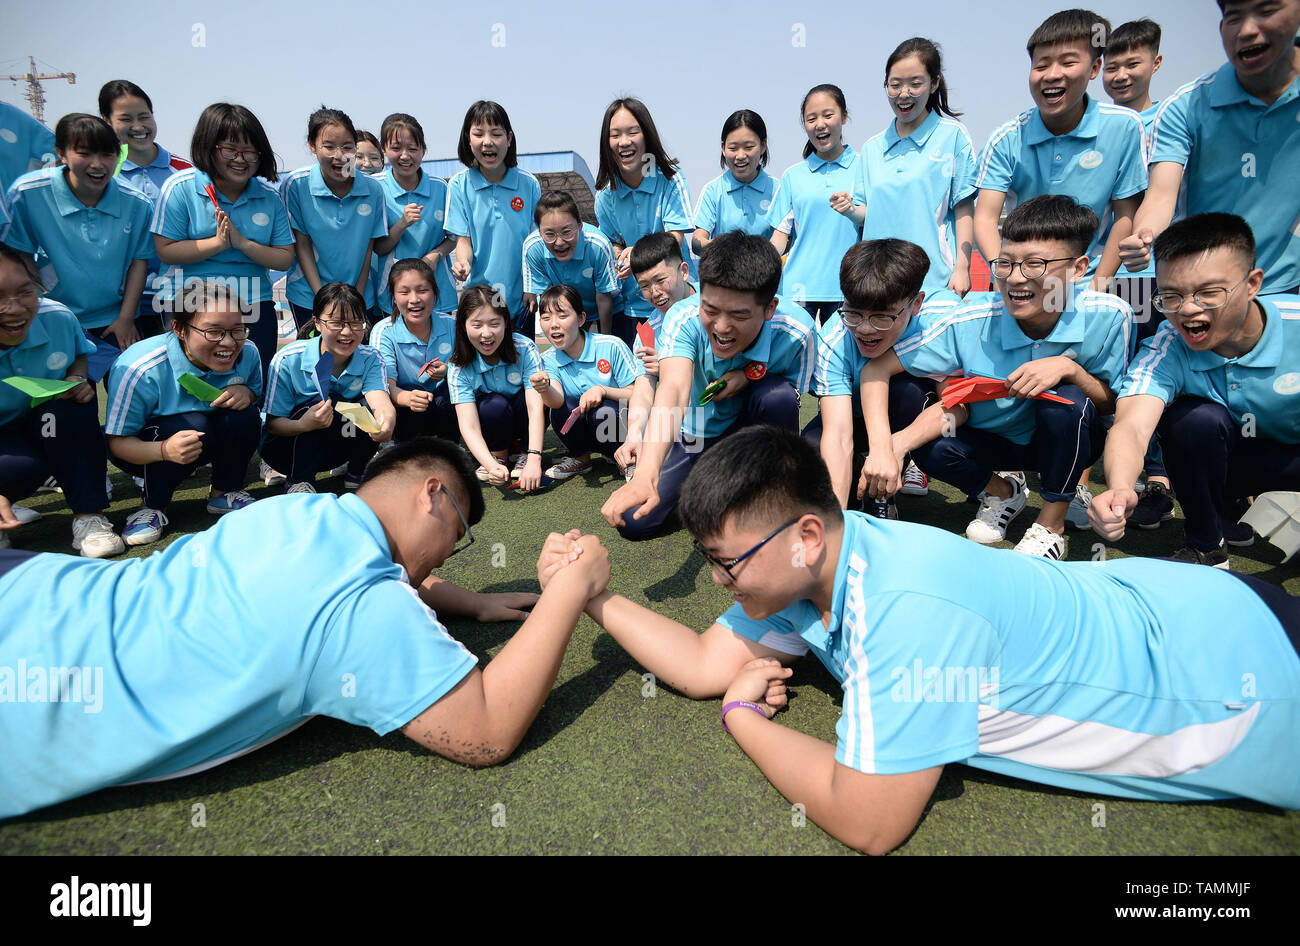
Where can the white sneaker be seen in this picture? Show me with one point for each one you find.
(915, 483)
(51, 485)
(93, 537)
(520, 460)
(990, 523)
(569, 466)
(1077, 515)
(300, 488)
(1042, 542)
(270, 475)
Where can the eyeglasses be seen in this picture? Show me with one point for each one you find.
(469, 536)
(331, 149)
(1212, 297)
(728, 566)
(550, 236)
(23, 299)
(337, 325)
(229, 154)
(238, 333)
(880, 322)
(1030, 268)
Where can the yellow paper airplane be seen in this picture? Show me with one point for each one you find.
(358, 414)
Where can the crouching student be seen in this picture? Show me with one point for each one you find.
(41, 338)
(210, 663)
(587, 373)
(493, 382)
(881, 281)
(564, 251)
(1109, 679)
(1039, 335)
(1218, 381)
(305, 433)
(162, 424)
(740, 355)
(416, 342)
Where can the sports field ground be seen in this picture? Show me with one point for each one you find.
(613, 764)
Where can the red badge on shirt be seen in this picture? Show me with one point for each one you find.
(603, 366)
(755, 370)
(517, 203)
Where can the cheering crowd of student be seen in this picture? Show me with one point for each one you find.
(418, 300)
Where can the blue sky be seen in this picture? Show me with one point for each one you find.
(554, 67)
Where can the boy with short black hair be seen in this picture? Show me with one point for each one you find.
(1218, 380)
(1087, 684)
(1132, 58)
(881, 281)
(660, 273)
(733, 356)
(1040, 335)
(1230, 140)
(1069, 143)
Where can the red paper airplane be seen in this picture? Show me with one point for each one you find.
(568, 424)
(212, 195)
(646, 334)
(979, 388)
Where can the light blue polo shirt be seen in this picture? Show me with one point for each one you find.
(979, 337)
(1112, 678)
(84, 251)
(1103, 159)
(145, 382)
(466, 382)
(1239, 156)
(497, 218)
(786, 344)
(203, 650)
(590, 270)
(418, 239)
(1264, 382)
(25, 145)
(149, 179)
(726, 204)
(838, 369)
(605, 360)
(54, 341)
(822, 236)
(404, 354)
(186, 213)
(340, 229)
(911, 187)
(626, 214)
(293, 377)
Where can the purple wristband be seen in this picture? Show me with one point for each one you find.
(736, 703)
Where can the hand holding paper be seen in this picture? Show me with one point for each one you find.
(359, 415)
(199, 388)
(979, 388)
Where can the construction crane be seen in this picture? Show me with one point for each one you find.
(35, 94)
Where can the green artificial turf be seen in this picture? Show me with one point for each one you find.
(612, 765)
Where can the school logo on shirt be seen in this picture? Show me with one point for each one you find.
(587, 272)
(1090, 160)
(514, 377)
(755, 370)
(365, 210)
(236, 380)
(355, 384)
(1288, 383)
(603, 366)
(444, 348)
(59, 359)
(8, 136)
(261, 219)
(764, 204)
(517, 203)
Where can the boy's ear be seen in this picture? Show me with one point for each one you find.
(1081, 267)
(1155, 63)
(1096, 69)
(770, 310)
(684, 270)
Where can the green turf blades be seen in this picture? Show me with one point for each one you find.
(41, 390)
(199, 388)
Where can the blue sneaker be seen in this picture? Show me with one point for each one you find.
(229, 502)
(143, 526)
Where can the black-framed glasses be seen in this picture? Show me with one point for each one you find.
(337, 325)
(879, 321)
(728, 566)
(1031, 268)
(468, 538)
(1211, 297)
(230, 154)
(238, 333)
